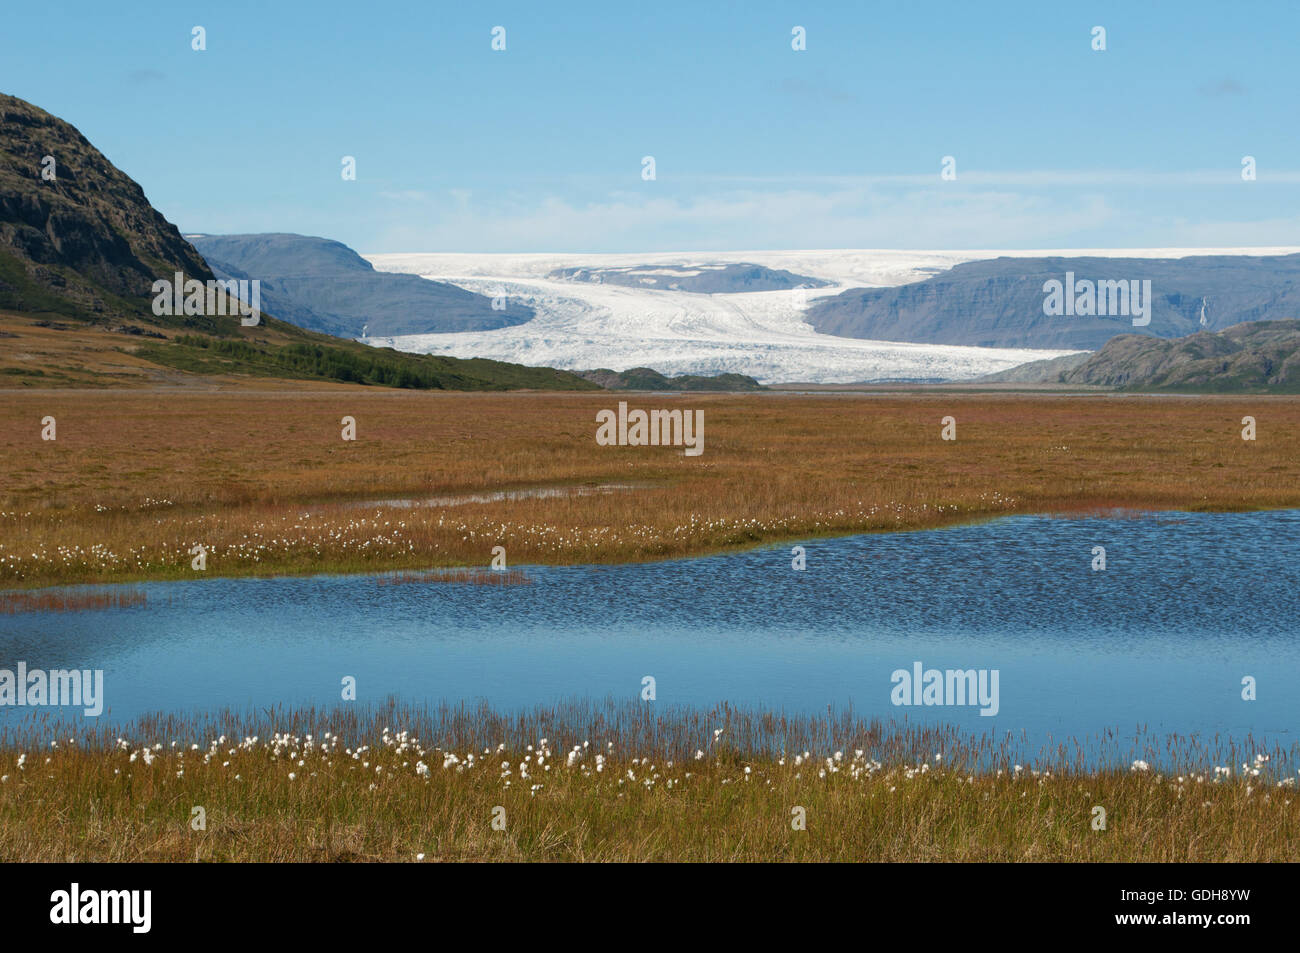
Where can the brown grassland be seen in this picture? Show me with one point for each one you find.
(263, 480)
(631, 787)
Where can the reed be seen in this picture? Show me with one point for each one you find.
(468, 577)
(588, 781)
(65, 601)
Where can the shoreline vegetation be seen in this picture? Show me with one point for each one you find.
(625, 781)
(264, 482)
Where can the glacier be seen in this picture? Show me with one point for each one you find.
(583, 325)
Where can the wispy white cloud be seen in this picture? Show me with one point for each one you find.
(1100, 178)
(790, 218)
(1024, 210)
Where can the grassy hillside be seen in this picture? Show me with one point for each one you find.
(355, 364)
(79, 251)
(55, 349)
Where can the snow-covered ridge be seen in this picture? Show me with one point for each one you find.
(583, 325)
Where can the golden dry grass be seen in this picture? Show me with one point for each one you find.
(385, 795)
(263, 480)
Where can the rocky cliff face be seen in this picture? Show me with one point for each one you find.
(77, 235)
(1000, 302)
(325, 286)
(1262, 356)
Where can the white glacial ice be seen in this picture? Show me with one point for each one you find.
(581, 325)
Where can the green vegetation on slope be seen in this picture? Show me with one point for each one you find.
(352, 363)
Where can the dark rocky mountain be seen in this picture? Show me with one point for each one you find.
(1255, 357)
(323, 285)
(730, 278)
(77, 235)
(999, 302)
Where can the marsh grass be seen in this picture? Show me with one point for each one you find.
(70, 601)
(470, 577)
(589, 781)
(266, 484)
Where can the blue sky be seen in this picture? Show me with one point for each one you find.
(757, 146)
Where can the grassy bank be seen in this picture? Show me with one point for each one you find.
(266, 484)
(617, 783)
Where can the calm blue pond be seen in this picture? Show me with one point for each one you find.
(1187, 606)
